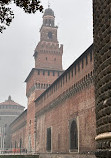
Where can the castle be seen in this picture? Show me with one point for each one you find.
(60, 116)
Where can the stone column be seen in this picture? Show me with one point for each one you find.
(102, 61)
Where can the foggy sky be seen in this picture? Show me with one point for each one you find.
(17, 43)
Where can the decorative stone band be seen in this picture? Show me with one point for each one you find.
(65, 95)
(106, 135)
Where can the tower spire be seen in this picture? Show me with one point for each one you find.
(48, 4)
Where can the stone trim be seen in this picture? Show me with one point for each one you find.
(103, 136)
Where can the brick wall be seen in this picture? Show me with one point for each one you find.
(18, 131)
(70, 97)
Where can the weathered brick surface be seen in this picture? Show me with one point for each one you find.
(18, 131)
(48, 66)
(69, 97)
(102, 51)
(72, 99)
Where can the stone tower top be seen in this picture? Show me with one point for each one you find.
(48, 53)
(49, 12)
(9, 98)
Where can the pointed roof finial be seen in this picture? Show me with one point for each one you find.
(48, 4)
(9, 98)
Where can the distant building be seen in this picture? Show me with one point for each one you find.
(9, 111)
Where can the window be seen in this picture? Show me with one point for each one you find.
(48, 139)
(90, 56)
(53, 73)
(72, 72)
(82, 63)
(69, 75)
(43, 72)
(38, 72)
(73, 136)
(75, 69)
(86, 60)
(78, 66)
(48, 73)
(15, 144)
(46, 21)
(20, 143)
(66, 77)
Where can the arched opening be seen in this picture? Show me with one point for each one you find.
(73, 136)
(20, 144)
(48, 146)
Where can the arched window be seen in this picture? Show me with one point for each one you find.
(48, 147)
(73, 135)
(15, 145)
(20, 144)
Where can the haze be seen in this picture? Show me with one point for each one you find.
(17, 43)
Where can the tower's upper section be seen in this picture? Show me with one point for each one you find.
(48, 53)
(48, 31)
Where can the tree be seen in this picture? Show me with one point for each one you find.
(6, 14)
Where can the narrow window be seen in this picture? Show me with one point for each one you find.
(75, 69)
(72, 72)
(86, 60)
(48, 139)
(15, 144)
(78, 66)
(38, 72)
(82, 63)
(69, 75)
(90, 56)
(66, 77)
(53, 73)
(46, 21)
(73, 136)
(48, 73)
(63, 80)
(20, 144)
(61, 83)
(43, 72)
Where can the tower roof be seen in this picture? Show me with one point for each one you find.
(10, 102)
(49, 11)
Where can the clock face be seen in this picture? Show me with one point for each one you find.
(50, 35)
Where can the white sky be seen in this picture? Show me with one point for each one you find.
(17, 43)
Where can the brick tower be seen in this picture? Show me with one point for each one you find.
(48, 66)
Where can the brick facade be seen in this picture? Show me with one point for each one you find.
(70, 97)
(60, 103)
(18, 131)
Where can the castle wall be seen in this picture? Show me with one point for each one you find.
(70, 97)
(18, 131)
